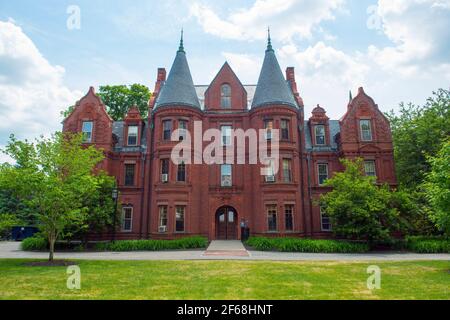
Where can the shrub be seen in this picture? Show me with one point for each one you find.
(35, 243)
(153, 245)
(428, 244)
(306, 245)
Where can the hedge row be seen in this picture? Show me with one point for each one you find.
(154, 245)
(428, 244)
(34, 244)
(306, 245)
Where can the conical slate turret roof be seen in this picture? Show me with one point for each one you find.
(179, 87)
(272, 88)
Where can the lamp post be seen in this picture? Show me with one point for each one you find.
(115, 196)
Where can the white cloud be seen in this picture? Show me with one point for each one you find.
(287, 18)
(247, 67)
(32, 93)
(420, 30)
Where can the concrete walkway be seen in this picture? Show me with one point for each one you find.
(226, 248)
(11, 250)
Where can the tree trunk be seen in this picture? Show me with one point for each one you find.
(51, 241)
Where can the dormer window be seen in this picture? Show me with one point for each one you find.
(225, 96)
(366, 130)
(87, 131)
(319, 132)
(132, 135)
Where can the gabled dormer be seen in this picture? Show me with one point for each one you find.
(319, 127)
(226, 91)
(90, 117)
(133, 125)
(364, 123)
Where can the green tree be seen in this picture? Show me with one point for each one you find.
(118, 99)
(419, 131)
(437, 188)
(359, 208)
(54, 177)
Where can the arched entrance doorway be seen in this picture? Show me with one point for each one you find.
(226, 223)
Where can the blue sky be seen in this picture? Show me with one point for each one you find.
(397, 50)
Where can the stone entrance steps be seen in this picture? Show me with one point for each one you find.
(227, 248)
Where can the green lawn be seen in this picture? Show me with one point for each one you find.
(226, 280)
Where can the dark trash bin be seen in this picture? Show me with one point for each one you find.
(20, 233)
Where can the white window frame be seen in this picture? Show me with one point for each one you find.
(322, 215)
(130, 219)
(372, 162)
(268, 132)
(361, 121)
(161, 207)
(182, 131)
(318, 173)
(226, 134)
(222, 175)
(87, 140)
(136, 134)
(316, 135)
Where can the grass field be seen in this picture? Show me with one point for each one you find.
(226, 280)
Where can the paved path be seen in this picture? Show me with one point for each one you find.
(11, 250)
(229, 248)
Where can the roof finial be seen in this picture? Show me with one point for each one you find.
(181, 48)
(350, 96)
(269, 41)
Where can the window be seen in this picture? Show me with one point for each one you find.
(225, 96)
(182, 127)
(225, 175)
(164, 170)
(179, 218)
(167, 129)
(271, 217)
(287, 176)
(285, 129)
(268, 125)
(323, 173)
(270, 177)
(319, 131)
(369, 168)
(226, 135)
(87, 131)
(325, 221)
(127, 219)
(132, 135)
(163, 218)
(181, 172)
(129, 174)
(289, 217)
(366, 130)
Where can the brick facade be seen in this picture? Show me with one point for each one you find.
(200, 205)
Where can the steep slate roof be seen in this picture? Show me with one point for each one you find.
(272, 88)
(335, 128)
(179, 87)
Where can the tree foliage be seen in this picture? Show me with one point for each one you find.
(56, 178)
(359, 208)
(437, 188)
(417, 132)
(120, 98)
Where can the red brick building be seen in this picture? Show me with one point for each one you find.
(162, 200)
